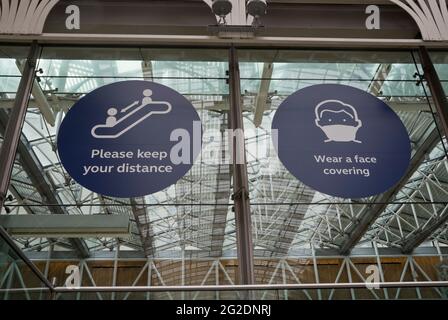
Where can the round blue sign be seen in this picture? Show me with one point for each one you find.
(130, 139)
(341, 141)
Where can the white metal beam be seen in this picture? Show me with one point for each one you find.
(70, 226)
(261, 104)
(40, 99)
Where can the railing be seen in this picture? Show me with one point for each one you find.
(300, 286)
(311, 291)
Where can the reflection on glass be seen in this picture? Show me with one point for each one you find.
(11, 57)
(291, 223)
(189, 216)
(287, 214)
(440, 60)
(17, 281)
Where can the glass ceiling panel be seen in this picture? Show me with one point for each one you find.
(440, 60)
(288, 215)
(195, 214)
(10, 58)
(191, 214)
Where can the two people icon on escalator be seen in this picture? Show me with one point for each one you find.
(135, 114)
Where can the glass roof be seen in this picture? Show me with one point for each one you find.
(195, 215)
(291, 215)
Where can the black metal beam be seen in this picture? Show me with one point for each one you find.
(13, 126)
(240, 180)
(441, 104)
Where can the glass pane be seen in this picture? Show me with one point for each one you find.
(11, 57)
(191, 216)
(17, 280)
(188, 230)
(440, 61)
(287, 215)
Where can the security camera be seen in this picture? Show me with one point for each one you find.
(256, 8)
(221, 7)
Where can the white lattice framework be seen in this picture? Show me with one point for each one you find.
(431, 17)
(24, 16)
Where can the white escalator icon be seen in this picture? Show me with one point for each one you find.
(138, 112)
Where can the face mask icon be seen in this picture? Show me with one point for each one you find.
(338, 120)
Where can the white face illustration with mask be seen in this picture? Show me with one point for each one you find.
(339, 121)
